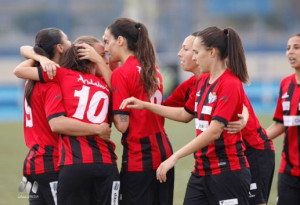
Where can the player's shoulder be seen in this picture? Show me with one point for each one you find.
(287, 79)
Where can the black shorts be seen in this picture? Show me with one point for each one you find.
(230, 187)
(88, 184)
(142, 188)
(262, 164)
(288, 190)
(42, 188)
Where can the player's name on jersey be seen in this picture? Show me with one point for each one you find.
(291, 120)
(91, 82)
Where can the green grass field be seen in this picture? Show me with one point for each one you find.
(13, 151)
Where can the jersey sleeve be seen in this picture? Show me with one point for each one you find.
(53, 106)
(120, 92)
(278, 115)
(179, 96)
(230, 98)
(44, 77)
(190, 103)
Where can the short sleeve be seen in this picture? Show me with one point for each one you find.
(44, 77)
(278, 115)
(229, 102)
(190, 103)
(120, 92)
(178, 97)
(53, 106)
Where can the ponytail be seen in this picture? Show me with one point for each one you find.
(236, 55)
(139, 42)
(146, 56)
(230, 46)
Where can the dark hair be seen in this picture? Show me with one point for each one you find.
(230, 46)
(138, 41)
(71, 60)
(45, 42)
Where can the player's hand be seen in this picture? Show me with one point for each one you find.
(236, 126)
(164, 167)
(87, 52)
(132, 103)
(104, 131)
(49, 67)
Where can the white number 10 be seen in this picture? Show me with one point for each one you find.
(83, 95)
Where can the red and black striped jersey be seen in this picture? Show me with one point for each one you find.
(45, 103)
(181, 94)
(145, 143)
(288, 113)
(222, 101)
(86, 98)
(254, 136)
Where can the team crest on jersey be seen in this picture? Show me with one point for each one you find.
(212, 97)
(285, 95)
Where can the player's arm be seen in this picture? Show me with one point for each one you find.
(173, 113)
(121, 122)
(86, 51)
(48, 65)
(275, 130)
(26, 70)
(212, 133)
(237, 126)
(69, 126)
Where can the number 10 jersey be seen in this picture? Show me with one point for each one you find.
(86, 98)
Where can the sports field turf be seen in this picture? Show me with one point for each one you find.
(13, 151)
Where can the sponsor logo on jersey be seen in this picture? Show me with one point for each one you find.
(223, 98)
(286, 105)
(285, 95)
(206, 110)
(212, 97)
(291, 120)
(201, 124)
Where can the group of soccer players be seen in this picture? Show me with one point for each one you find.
(73, 90)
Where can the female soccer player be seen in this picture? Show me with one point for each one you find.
(259, 149)
(287, 121)
(88, 163)
(221, 174)
(145, 143)
(42, 105)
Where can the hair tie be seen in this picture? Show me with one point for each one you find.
(226, 32)
(138, 26)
